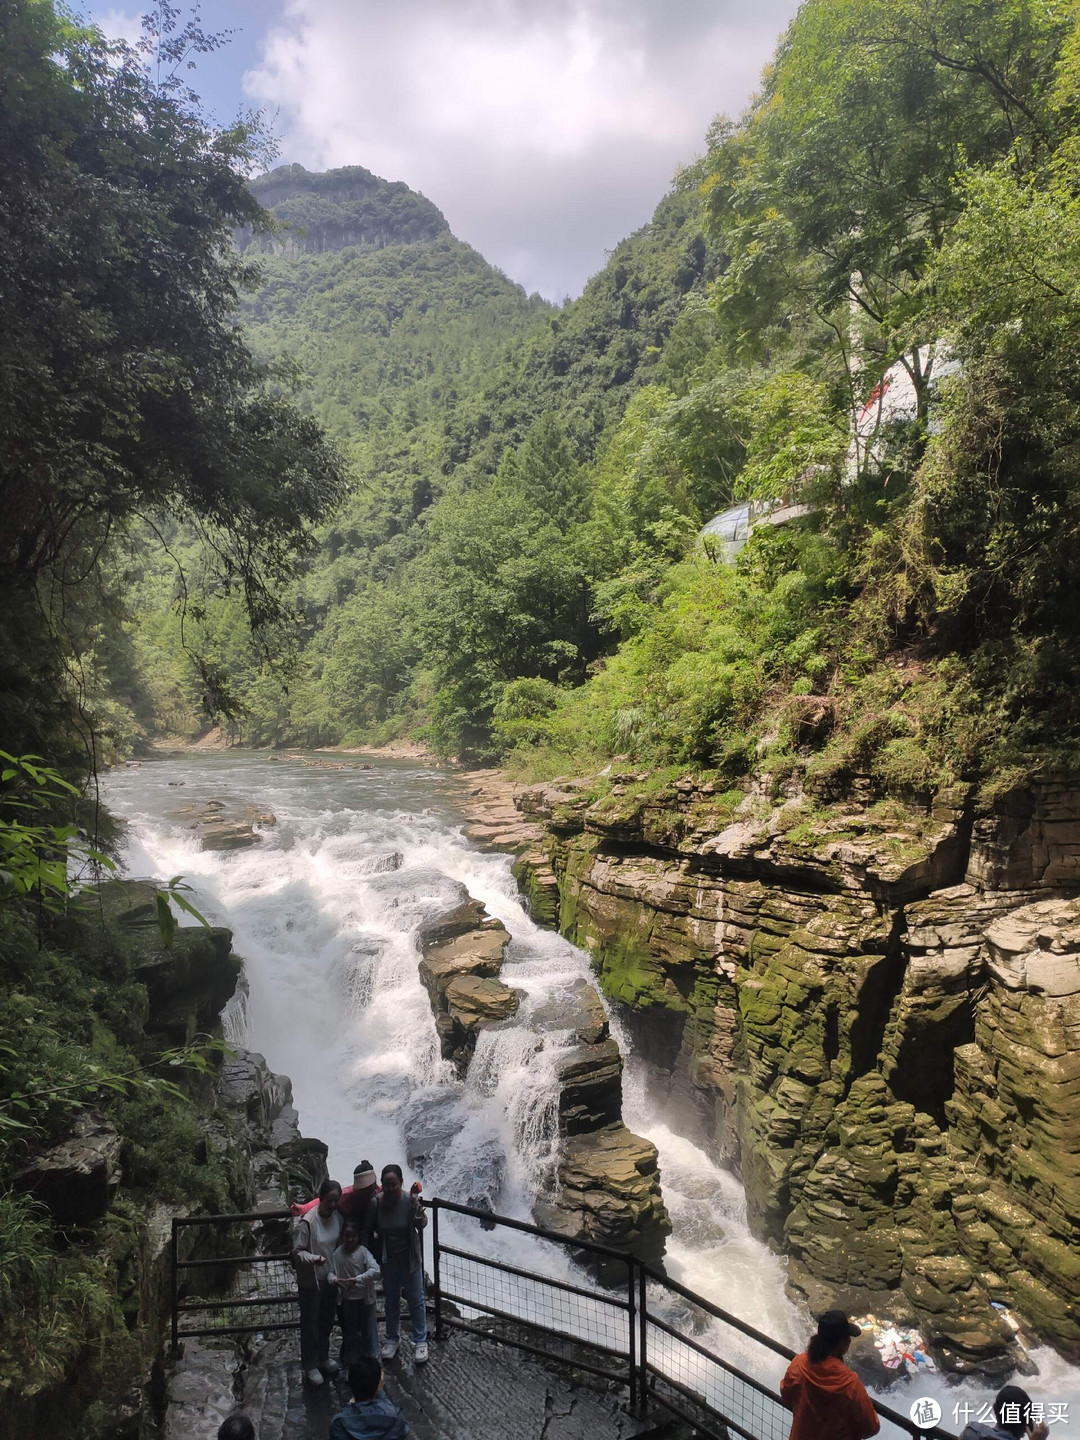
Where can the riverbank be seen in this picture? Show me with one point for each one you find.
(488, 799)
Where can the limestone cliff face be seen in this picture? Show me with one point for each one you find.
(872, 1015)
(350, 206)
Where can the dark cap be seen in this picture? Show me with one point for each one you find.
(834, 1325)
(1020, 1414)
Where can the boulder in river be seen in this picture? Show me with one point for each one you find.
(609, 1192)
(463, 955)
(590, 1087)
(431, 1126)
(224, 827)
(476, 1000)
(607, 1186)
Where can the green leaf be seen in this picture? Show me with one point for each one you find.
(189, 908)
(165, 918)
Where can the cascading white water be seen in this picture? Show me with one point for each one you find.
(325, 911)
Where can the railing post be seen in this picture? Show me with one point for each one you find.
(631, 1327)
(436, 1274)
(643, 1353)
(175, 1288)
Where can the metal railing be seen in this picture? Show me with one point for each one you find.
(634, 1327)
(232, 1275)
(668, 1346)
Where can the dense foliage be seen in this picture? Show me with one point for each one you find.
(131, 407)
(72, 1016)
(127, 394)
(520, 572)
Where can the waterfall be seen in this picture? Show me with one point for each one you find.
(324, 912)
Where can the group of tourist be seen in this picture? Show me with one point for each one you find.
(342, 1243)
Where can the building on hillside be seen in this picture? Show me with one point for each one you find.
(893, 402)
(725, 534)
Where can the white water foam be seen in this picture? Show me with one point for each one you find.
(325, 911)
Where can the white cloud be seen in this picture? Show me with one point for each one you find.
(118, 25)
(545, 133)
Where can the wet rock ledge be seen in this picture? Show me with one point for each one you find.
(607, 1185)
(221, 826)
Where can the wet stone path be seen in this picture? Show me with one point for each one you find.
(470, 1390)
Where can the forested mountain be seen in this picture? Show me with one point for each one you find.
(429, 367)
(515, 569)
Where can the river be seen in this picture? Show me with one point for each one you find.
(324, 912)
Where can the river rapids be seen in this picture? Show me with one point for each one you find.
(327, 929)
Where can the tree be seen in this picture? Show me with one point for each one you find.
(499, 593)
(127, 391)
(889, 100)
(988, 543)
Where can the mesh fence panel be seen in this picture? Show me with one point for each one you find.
(700, 1382)
(260, 1294)
(487, 1293)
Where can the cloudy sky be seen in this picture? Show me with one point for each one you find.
(545, 130)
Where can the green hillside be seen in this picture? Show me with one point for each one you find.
(429, 367)
(516, 570)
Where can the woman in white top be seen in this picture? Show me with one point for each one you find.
(316, 1235)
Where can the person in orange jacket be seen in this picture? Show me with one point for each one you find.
(828, 1400)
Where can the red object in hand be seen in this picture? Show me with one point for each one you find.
(415, 1188)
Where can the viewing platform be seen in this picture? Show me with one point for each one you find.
(528, 1346)
(469, 1390)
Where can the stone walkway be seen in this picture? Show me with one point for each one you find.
(470, 1390)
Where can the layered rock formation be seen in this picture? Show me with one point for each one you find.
(463, 955)
(606, 1187)
(76, 1179)
(350, 206)
(871, 1015)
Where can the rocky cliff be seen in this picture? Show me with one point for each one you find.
(606, 1185)
(871, 1014)
(350, 206)
(111, 1222)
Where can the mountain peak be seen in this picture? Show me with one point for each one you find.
(348, 206)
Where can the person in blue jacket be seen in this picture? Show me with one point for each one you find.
(371, 1416)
